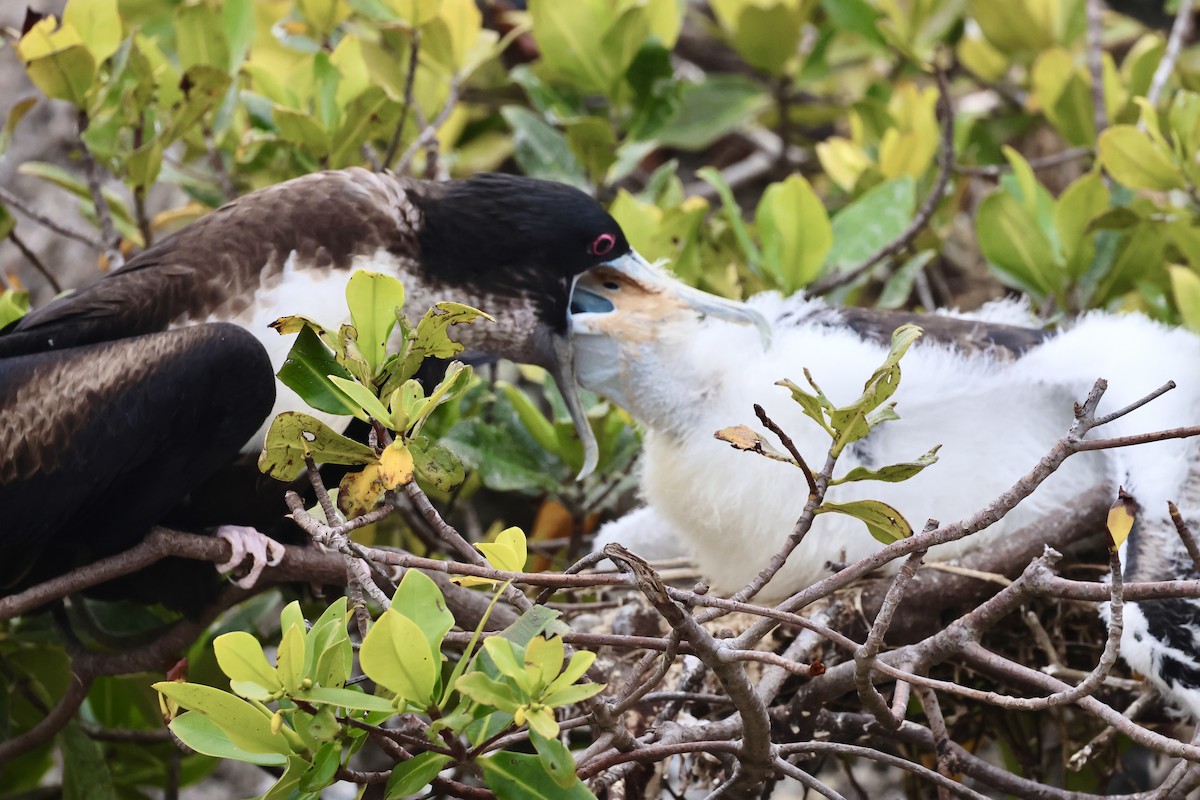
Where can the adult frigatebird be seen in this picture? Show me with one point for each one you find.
(117, 401)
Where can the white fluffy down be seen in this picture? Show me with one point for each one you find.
(994, 420)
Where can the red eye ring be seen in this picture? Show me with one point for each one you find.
(603, 244)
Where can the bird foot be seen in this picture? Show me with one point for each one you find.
(245, 542)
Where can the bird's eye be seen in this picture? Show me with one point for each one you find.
(612, 286)
(603, 244)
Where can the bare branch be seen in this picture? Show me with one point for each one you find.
(1179, 34)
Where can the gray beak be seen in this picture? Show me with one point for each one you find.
(654, 279)
(563, 372)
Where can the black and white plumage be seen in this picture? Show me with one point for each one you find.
(996, 397)
(170, 358)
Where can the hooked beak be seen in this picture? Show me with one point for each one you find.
(652, 279)
(655, 279)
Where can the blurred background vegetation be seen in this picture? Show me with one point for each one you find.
(895, 153)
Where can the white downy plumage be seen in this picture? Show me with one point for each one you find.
(685, 375)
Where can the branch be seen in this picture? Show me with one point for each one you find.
(414, 51)
(945, 167)
(1095, 62)
(11, 200)
(1179, 33)
(109, 238)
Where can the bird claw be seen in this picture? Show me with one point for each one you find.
(262, 550)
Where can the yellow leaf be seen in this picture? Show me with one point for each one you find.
(396, 465)
(1121, 517)
(508, 552)
(359, 492)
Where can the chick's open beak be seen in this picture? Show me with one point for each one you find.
(651, 279)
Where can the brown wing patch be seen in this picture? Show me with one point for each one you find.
(968, 336)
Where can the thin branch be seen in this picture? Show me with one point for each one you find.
(110, 239)
(1045, 162)
(414, 51)
(33, 259)
(789, 445)
(1179, 34)
(1185, 534)
(11, 200)
(1095, 62)
(945, 167)
(430, 130)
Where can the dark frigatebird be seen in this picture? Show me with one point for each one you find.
(119, 400)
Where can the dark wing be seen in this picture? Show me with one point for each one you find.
(97, 443)
(212, 268)
(967, 335)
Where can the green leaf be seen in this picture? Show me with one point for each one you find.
(541, 150)
(510, 663)
(540, 428)
(374, 300)
(245, 725)
(411, 776)
(884, 522)
(489, 692)
(200, 37)
(1083, 201)
(568, 36)
(893, 473)
(204, 736)
(1185, 286)
(301, 129)
(241, 658)
(57, 60)
(1134, 159)
(293, 435)
(86, 775)
(870, 222)
(769, 36)
(328, 648)
(418, 594)
(436, 464)
(1014, 245)
(98, 22)
(518, 776)
(556, 759)
(733, 214)
(13, 305)
(396, 655)
(345, 698)
(580, 663)
(306, 372)
(15, 114)
(570, 695)
(593, 142)
(290, 662)
(365, 398)
(711, 109)
(324, 767)
(795, 232)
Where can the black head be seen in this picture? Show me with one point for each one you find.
(501, 232)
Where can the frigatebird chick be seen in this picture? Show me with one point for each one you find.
(996, 397)
(118, 400)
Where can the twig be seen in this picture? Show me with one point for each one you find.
(806, 780)
(1045, 162)
(756, 751)
(895, 246)
(430, 130)
(1095, 62)
(1185, 534)
(32, 258)
(1144, 702)
(110, 239)
(789, 445)
(1179, 33)
(11, 200)
(864, 657)
(413, 52)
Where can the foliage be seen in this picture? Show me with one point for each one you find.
(794, 143)
(307, 715)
